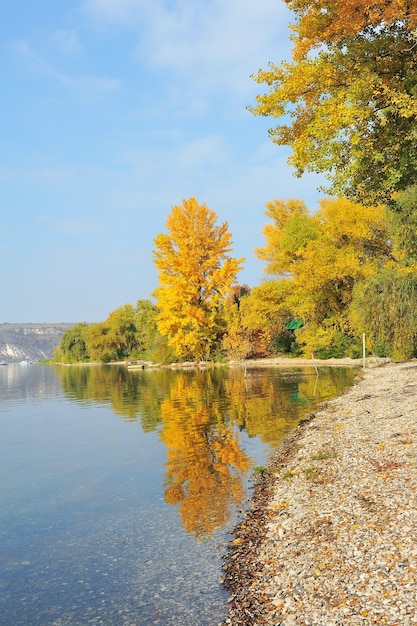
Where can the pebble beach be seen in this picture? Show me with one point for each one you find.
(331, 536)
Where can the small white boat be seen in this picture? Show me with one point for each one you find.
(3, 363)
(26, 362)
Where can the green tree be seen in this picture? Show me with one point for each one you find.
(122, 332)
(146, 314)
(196, 272)
(99, 345)
(116, 338)
(402, 216)
(72, 347)
(384, 306)
(153, 345)
(346, 103)
(128, 332)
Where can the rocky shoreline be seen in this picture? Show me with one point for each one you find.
(330, 537)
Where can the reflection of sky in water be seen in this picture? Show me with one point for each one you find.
(103, 470)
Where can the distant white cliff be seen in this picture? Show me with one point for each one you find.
(19, 342)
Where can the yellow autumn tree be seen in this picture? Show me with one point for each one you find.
(196, 272)
(346, 102)
(238, 340)
(266, 312)
(290, 229)
(319, 258)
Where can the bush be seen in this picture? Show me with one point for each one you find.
(384, 307)
(283, 341)
(340, 346)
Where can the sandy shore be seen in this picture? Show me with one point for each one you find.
(279, 361)
(284, 361)
(331, 538)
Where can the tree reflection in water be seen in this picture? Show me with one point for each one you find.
(204, 418)
(205, 464)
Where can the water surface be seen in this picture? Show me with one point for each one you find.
(119, 488)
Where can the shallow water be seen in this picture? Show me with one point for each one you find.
(119, 489)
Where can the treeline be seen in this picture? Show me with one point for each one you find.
(332, 275)
(128, 333)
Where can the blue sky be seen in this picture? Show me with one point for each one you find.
(113, 111)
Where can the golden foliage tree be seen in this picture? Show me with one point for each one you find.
(265, 312)
(318, 259)
(323, 22)
(291, 228)
(347, 99)
(238, 340)
(196, 272)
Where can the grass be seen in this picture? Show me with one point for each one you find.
(310, 472)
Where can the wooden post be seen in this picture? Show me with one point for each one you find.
(314, 363)
(364, 350)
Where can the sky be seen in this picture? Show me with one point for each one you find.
(112, 112)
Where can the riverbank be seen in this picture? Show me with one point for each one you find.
(285, 361)
(276, 361)
(330, 537)
(279, 361)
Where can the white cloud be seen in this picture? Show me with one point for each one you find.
(67, 41)
(210, 44)
(86, 84)
(216, 44)
(125, 12)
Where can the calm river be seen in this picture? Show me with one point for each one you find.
(119, 488)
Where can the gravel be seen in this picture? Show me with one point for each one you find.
(331, 535)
